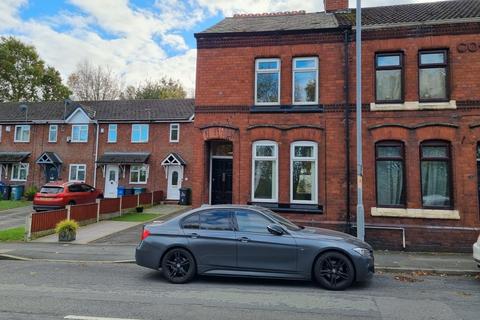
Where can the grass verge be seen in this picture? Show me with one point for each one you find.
(13, 234)
(11, 204)
(136, 217)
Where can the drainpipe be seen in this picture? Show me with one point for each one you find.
(96, 156)
(346, 89)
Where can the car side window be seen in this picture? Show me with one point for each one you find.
(191, 222)
(86, 188)
(75, 188)
(216, 220)
(250, 221)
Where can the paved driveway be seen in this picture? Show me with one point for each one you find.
(14, 217)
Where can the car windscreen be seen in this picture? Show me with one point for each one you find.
(51, 190)
(284, 222)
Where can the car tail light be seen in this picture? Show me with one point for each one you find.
(145, 234)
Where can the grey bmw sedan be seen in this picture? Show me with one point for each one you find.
(251, 241)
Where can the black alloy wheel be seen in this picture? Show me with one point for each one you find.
(334, 271)
(178, 266)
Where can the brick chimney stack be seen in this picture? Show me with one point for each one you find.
(335, 5)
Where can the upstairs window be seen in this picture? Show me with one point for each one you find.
(305, 80)
(80, 133)
(265, 171)
(22, 133)
(433, 75)
(267, 81)
(174, 132)
(388, 77)
(390, 174)
(303, 172)
(139, 133)
(112, 133)
(436, 174)
(52, 133)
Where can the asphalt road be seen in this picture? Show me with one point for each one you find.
(46, 290)
(14, 217)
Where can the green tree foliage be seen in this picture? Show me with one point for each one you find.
(165, 88)
(25, 77)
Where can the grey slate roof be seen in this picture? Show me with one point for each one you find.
(384, 16)
(123, 157)
(121, 110)
(13, 157)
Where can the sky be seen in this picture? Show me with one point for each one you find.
(137, 39)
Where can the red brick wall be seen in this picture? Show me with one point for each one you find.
(334, 5)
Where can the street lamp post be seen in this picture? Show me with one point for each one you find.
(358, 43)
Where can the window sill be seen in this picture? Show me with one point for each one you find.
(416, 213)
(413, 105)
(290, 207)
(287, 108)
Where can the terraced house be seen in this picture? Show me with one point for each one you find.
(275, 125)
(138, 143)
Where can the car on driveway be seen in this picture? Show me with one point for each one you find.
(57, 195)
(251, 241)
(476, 251)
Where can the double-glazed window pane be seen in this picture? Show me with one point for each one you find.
(80, 133)
(22, 133)
(20, 171)
(140, 133)
(267, 81)
(304, 151)
(52, 133)
(112, 133)
(390, 175)
(433, 75)
(305, 74)
(435, 172)
(138, 174)
(77, 172)
(388, 77)
(303, 179)
(264, 171)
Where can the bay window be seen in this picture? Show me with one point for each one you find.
(265, 171)
(303, 170)
(390, 174)
(388, 77)
(433, 75)
(267, 81)
(305, 80)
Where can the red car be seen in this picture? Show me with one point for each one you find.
(56, 195)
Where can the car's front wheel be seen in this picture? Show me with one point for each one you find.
(178, 266)
(334, 271)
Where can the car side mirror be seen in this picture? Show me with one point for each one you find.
(275, 229)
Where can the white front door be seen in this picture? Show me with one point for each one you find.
(111, 181)
(175, 176)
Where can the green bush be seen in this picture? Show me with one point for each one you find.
(66, 225)
(30, 192)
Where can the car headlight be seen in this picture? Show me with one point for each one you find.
(363, 252)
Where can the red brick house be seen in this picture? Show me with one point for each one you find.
(130, 143)
(274, 119)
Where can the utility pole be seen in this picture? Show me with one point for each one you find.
(358, 42)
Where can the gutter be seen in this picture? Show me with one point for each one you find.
(346, 88)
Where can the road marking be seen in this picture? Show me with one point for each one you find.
(94, 318)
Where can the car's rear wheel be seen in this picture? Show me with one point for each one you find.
(178, 266)
(334, 271)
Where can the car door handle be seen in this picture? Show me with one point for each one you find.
(194, 235)
(243, 239)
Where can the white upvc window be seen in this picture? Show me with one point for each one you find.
(80, 133)
(19, 172)
(77, 173)
(305, 80)
(139, 174)
(267, 81)
(112, 133)
(139, 133)
(174, 132)
(265, 171)
(22, 133)
(303, 172)
(52, 133)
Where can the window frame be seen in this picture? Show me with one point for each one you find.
(79, 140)
(315, 178)
(445, 65)
(274, 158)
(50, 132)
(110, 126)
(140, 125)
(140, 167)
(257, 71)
(172, 125)
(22, 126)
(76, 178)
(295, 69)
(448, 159)
(231, 219)
(20, 166)
(400, 67)
(391, 143)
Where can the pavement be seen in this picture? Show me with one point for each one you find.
(12, 218)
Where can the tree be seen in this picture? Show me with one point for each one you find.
(165, 88)
(90, 82)
(24, 76)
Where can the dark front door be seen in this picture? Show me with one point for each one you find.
(222, 181)
(51, 172)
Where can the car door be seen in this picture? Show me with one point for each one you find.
(211, 238)
(75, 193)
(258, 249)
(88, 193)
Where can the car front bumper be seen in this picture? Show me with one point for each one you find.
(476, 252)
(364, 267)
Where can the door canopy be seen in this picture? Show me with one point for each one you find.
(49, 158)
(173, 159)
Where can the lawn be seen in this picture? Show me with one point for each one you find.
(14, 234)
(11, 204)
(136, 217)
